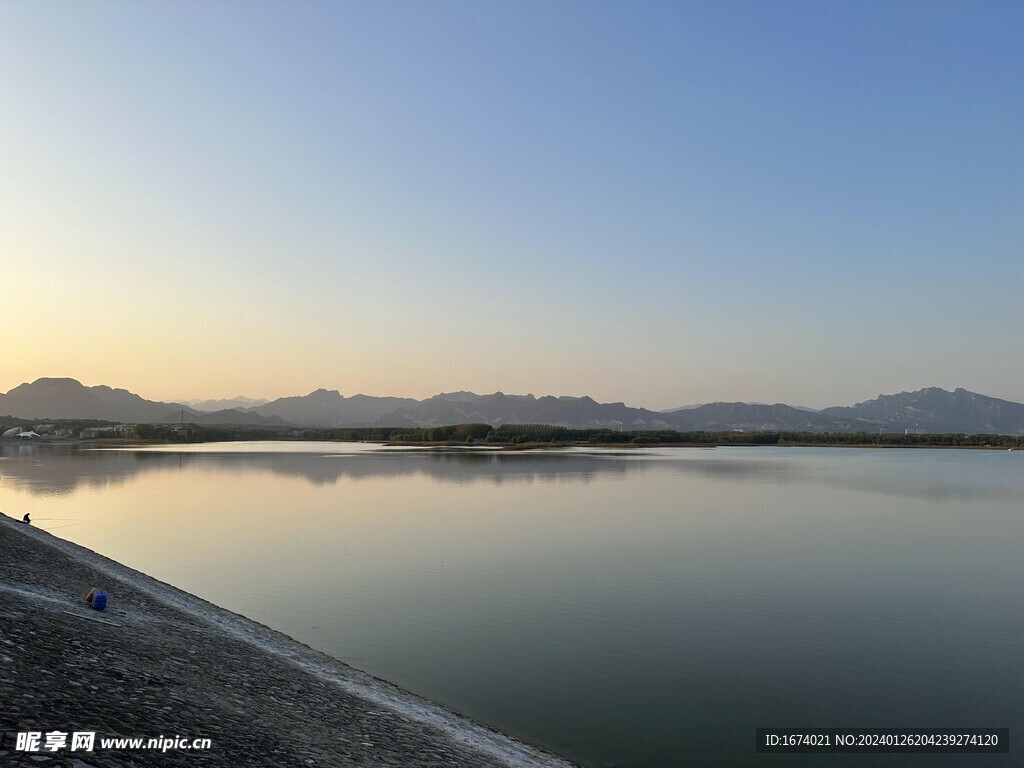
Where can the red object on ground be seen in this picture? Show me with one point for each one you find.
(91, 595)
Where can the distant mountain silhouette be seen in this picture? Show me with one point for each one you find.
(209, 406)
(456, 397)
(753, 417)
(69, 399)
(936, 410)
(63, 398)
(226, 416)
(329, 408)
(499, 408)
(931, 410)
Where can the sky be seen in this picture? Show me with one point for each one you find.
(662, 203)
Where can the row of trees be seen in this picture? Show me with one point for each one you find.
(542, 433)
(884, 439)
(527, 434)
(74, 426)
(197, 433)
(539, 433)
(458, 433)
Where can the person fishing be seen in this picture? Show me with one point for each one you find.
(26, 519)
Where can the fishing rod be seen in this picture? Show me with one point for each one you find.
(58, 527)
(79, 519)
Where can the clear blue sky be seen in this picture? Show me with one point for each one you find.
(661, 203)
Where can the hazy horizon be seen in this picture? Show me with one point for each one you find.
(655, 203)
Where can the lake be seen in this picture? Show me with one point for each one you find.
(630, 608)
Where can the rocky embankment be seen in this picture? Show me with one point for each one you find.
(161, 662)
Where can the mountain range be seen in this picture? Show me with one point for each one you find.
(62, 398)
(926, 410)
(219, 405)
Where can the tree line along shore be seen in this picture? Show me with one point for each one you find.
(511, 436)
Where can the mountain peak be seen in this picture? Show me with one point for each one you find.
(61, 381)
(325, 393)
(462, 396)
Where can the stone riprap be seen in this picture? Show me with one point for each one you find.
(176, 665)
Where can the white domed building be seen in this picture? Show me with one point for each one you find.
(19, 433)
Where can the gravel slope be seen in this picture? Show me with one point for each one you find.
(180, 666)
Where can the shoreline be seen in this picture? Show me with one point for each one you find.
(453, 447)
(187, 660)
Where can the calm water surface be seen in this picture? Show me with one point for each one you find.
(619, 608)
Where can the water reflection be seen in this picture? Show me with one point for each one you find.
(633, 608)
(62, 469)
(939, 475)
